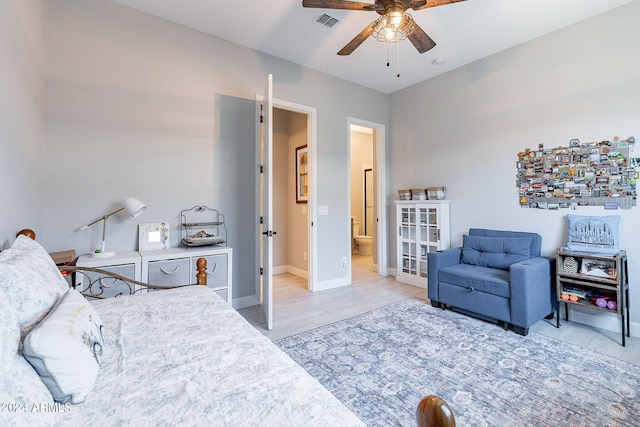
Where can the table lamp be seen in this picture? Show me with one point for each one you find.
(133, 206)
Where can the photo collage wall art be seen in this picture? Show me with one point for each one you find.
(583, 174)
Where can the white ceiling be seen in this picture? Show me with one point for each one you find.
(464, 32)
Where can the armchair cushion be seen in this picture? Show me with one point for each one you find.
(495, 252)
(494, 281)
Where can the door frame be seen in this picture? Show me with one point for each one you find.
(380, 169)
(311, 114)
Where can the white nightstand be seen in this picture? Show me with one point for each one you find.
(163, 267)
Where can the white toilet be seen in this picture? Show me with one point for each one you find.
(363, 243)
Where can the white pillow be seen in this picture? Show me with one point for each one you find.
(30, 280)
(66, 347)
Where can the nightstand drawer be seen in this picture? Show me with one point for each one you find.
(107, 287)
(171, 272)
(217, 270)
(178, 267)
(127, 264)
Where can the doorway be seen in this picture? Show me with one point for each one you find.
(362, 196)
(265, 105)
(367, 196)
(290, 211)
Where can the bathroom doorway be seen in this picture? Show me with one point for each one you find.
(362, 195)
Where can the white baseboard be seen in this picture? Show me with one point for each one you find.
(244, 302)
(598, 319)
(331, 284)
(281, 269)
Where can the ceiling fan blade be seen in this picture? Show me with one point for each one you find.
(424, 4)
(421, 40)
(357, 40)
(338, 4)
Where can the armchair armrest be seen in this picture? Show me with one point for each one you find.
(435, 261)
(533, 294)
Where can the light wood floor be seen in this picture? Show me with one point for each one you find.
(297, 310)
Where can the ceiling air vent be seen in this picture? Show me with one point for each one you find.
(326, 20)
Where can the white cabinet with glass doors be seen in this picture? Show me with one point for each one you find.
(423, 227)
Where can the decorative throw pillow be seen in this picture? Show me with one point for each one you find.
(30, 280)
(495, 252)
(66, 347)
(596, 234)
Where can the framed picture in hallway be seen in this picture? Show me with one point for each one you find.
(302, 176)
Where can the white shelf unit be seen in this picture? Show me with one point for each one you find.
(177, 266)
(423, 227)
(164, 267)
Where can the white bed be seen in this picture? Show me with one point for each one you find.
(185, 357)
(173, 357)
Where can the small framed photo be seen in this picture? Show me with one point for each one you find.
(302, 174)
(153, 235)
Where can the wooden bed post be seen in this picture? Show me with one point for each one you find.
(433, 411)
(201, 277)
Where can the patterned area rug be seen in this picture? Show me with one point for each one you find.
(381, 363)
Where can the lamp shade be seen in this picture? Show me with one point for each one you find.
(133, 206)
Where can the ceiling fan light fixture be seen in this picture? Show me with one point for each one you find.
(393, 26)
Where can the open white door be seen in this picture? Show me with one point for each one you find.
(266, 203)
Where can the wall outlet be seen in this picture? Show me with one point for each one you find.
(344, 261)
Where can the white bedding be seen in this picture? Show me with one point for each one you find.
(184, 357)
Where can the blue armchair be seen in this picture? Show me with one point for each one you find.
(496, 275)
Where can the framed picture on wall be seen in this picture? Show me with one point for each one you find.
(302, 174)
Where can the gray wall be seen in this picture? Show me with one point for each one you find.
(141, 107)
(464, 129)
(23, 53)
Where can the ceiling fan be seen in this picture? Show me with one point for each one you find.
(393, 25)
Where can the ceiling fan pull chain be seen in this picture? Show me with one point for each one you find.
(388, 62)
(398, 59)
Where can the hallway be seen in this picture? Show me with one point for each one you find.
(295, 309)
